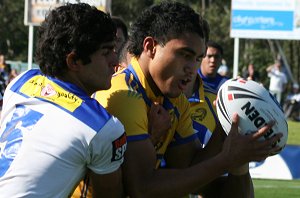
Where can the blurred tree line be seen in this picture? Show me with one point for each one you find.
(260, 52)
(13, 32)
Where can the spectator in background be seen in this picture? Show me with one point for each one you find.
(3, 73)
(278, 80)
(2, 62)
(250, 73)
(210, 65)
(291, 106)
(13, 73)
(223, 69)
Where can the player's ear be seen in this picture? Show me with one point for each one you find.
(150, 46)
(72, 61)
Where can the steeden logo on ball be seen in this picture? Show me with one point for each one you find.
(255, 107)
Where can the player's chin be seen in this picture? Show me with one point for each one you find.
(173, 93)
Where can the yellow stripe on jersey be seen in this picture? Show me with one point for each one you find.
(41, 87)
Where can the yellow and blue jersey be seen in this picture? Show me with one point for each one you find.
(203, 112)
(130, 98)
(212, 84)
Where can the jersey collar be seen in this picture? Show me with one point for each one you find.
(141, 77)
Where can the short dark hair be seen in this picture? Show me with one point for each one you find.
(165, 21)
(214, 44)
(120, 24)
(78, 28)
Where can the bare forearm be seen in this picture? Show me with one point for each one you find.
(183, 182)
(108, 185)
(238, 186)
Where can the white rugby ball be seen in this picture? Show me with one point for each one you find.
(255, 106)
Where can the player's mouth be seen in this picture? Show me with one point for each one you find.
(183, 83)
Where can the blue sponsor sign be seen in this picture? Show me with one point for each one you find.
(265, 19)
(262, 20)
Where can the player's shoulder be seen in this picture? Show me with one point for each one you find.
(120, 96)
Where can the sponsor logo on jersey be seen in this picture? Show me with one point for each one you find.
(48, 91)
(41, 87)
(119, 147)
(199, 114)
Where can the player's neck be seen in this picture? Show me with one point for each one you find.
(144, 64)
(191, 88)
(209, 75)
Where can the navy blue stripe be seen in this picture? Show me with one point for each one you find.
(160, 156)
(212, 110)
(140, 87)
(89, 112)
(133, 138)
(179, 140)
(166, 103)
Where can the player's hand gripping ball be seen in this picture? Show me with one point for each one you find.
(255, 107)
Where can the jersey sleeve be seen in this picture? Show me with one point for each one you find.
(128, 106)
(107, 148)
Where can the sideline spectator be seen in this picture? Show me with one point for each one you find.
(291, 105)
(52, 132)
(250, 73)
(223, 69)
(2, 63)
(12, 75)
(3, 73)
(278, 80)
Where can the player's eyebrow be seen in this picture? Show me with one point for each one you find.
(191, 51)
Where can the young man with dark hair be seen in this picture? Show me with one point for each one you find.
(168, 42)
(52, 132)
(209, 67)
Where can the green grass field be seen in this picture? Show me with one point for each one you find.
(294, 133)
(281, 188)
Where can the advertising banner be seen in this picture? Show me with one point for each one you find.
(285, 165)
(36, 10)
(265, 19)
